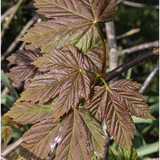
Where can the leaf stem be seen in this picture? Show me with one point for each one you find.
(106, 85)
(104, 48)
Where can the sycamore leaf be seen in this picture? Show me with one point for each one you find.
(70, 22)
(66, 75)
(116, 104)
(29, 113)
(99, 10)
(95, 56)
(82, 136)
(39, 139)
(24, 70)
(78, 135)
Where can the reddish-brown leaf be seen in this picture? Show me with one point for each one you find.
(40, 138)
(81, 137)
(24, 70)
(116, 104)
(66, 75)
(78, 135)
(94, 10)
(29, 113)
(70, 22)
(95, 56)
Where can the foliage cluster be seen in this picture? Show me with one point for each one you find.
(66, 97)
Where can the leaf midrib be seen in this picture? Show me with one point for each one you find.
(78, 39)
(33, 110)
(131, 102)
(88, 128)
(47, 135)
(121, 124)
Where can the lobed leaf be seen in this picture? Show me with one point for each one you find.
(99, 10)
(83, 136)
(29, 113)
(39, 139)
(77, 133)
(70, 22)
(23, 70)
(66, 76)
(56, 33)
(116, 104)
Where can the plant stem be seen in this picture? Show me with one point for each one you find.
(6, 24)
(104, 49)
(106, 85)
(139, 47)
(112, 44)
(117, 71)
(11, 147)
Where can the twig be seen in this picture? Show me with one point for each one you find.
(107, 140)
(15, 42)
(22, 45)
(120, 1)
(139, 5)
(129, 33)
(111, 38)
(7, 13)
(117, 71)
(2, 158)
(139, 47)
(6, 24)
(11, 147)
(149, 78)
(113, 63)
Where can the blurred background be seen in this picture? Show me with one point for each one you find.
(136, 32)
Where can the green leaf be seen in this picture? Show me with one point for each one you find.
(7, 100)
(95, 158)
(140, 120)
(28, 113)
(122, 154)
(6, 135)
(6, 81)
(78, 135)
(70, 22)
(154, 107)
(66, 76)
(148, 149)
(116, 103)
